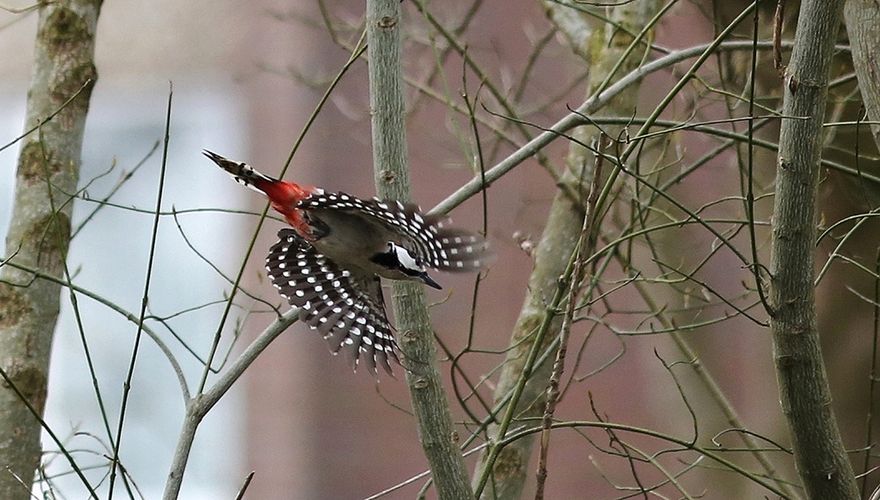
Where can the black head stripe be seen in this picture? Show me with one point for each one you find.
(387, 259)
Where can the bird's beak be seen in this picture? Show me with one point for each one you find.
(219, 160)
(430, 282)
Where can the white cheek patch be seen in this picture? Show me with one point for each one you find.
(407, 261)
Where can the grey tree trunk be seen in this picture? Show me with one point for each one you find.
(48, 170)
(603, 48)
(819, 453)
(436, 432)
(863, 26)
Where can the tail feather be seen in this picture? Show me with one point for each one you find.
(243, 173)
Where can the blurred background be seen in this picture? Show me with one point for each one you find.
(246, 75)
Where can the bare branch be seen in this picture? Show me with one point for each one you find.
(820, 456)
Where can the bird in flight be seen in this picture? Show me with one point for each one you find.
(330, 261)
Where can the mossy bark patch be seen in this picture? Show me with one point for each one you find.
(51, 235)
(30, 380)
(66, 85)
(13, 306)
(33, 165)
(62, 28)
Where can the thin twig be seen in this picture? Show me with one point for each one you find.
(49, 118)
(126, 386)
(872, 378)
(584, 247)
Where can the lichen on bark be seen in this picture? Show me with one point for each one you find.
(47, 174)
(601, 48)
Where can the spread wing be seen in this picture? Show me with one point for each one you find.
(442, 248)
(345, 308)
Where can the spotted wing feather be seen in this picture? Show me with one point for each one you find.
(436, 246)
(344, 309)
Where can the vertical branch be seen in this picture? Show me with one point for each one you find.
(430, 405)
(584, 247)
(863, 27)
(819, 453)
(145, 297)
(604, 51)
(48, 167)
(872, 377)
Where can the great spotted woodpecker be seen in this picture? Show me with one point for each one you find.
(329, 263)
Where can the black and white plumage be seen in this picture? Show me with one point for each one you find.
(348, 310)
(397, 258)
(424, 237)
(355, 242)
(330, 263)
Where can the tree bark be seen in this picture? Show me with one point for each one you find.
(603, 47)
(48, 171)
(819, 453)
(436, 432)
(863, 26)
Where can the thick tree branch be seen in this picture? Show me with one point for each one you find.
(430, 405)
(863, 26)
(552, 257)
(201, 404)
(819, 453)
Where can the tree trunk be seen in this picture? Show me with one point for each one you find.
(863, 27)
(430, 405)
(603, 47)
(819, 453)
(48, 170)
